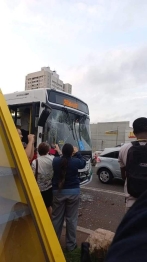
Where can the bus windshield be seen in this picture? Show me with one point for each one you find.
(65, 126)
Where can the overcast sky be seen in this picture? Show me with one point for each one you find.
(99, 46)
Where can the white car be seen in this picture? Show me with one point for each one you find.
(107, 165)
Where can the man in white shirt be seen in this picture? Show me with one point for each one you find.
(140, 131)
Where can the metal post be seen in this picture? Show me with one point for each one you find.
(117, 136)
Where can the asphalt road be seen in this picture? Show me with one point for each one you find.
(116, 185)
(101, 206)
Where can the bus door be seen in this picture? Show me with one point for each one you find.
(26, 118)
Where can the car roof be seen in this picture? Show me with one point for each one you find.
(109, 150)
(98, 151)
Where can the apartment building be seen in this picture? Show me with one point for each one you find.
(46, 78)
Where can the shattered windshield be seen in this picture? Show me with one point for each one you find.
(61, 127)
(82, 130)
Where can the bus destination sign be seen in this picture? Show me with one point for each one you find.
(67, 100)
(69, 103)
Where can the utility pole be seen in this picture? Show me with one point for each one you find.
(116, 135)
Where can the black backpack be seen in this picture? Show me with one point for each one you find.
(136, 168)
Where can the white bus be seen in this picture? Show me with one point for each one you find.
(57, 118)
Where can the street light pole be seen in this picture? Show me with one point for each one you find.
(117, 136)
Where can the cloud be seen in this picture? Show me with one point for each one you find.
(113, 85)
(99, 46)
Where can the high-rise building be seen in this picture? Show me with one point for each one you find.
(67, 88)
(46, 78)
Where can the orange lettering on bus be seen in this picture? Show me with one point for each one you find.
(70, 104)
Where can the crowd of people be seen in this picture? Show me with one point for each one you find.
(56, 174)
(130, 241)
(57, 178)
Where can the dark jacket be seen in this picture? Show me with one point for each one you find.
(71, 178)
(130, 241)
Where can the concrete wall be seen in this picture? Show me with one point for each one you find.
(101, 140)
(129, 136)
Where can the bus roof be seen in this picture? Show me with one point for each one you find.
(57, 97)
(32, 95)
(27, 96)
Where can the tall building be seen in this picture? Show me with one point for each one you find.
(46, 78)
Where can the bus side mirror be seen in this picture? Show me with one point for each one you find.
(43, 117)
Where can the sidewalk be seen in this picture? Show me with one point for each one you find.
(82, 234)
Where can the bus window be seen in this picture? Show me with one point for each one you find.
(26, 117)
(23, 119)
(16, 116)
(12, 114)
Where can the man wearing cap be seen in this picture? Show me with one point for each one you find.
(140, 131)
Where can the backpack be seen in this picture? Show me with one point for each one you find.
(136, 168)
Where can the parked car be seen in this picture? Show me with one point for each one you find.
(107, 165)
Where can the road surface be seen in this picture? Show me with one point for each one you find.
(101, 206)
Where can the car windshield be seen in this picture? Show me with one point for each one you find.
(63, 126)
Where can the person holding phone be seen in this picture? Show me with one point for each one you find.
(66, 192)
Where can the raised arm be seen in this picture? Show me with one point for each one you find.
(58, 149)
(30, 147)
(82, 161)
